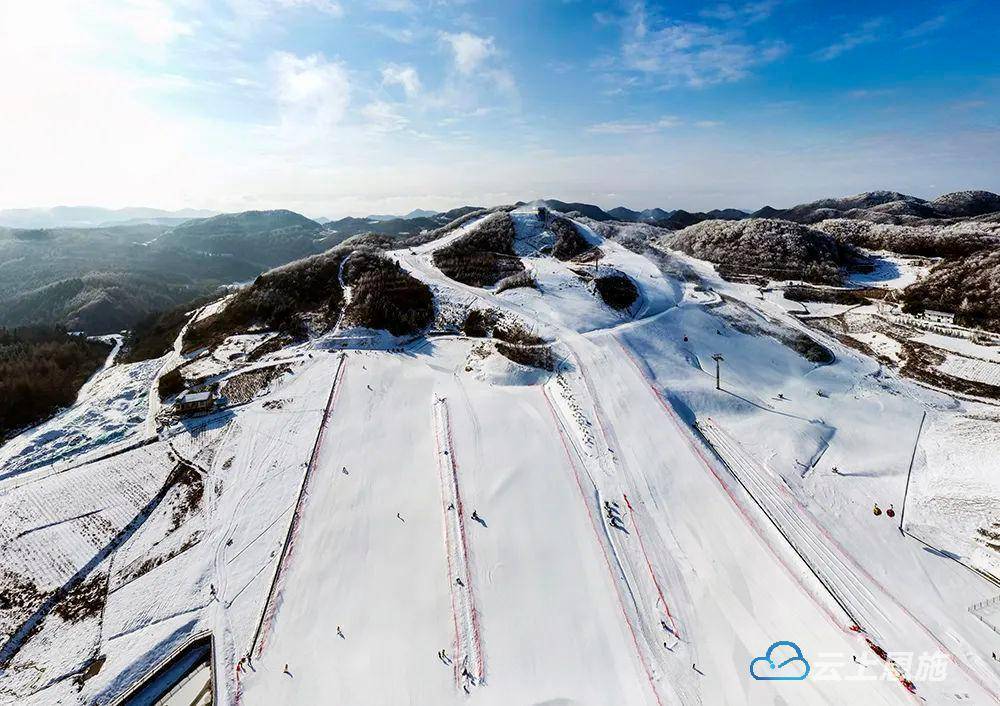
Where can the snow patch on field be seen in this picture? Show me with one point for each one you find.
(983, 371)
(112, 411)
(956, 484)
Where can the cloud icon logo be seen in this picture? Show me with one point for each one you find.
(783, 661)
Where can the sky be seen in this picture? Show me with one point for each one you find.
(352, 107)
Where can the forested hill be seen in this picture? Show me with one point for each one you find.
(41, 370)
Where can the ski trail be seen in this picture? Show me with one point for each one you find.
(603, 539)
(796, 522)
(694, 444)
(639, 575)
(468, 657)
(273, 601)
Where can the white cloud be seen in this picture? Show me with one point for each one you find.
(749, 12)
(927, 27)
(153, 22)
(708, 123)
(867, 33)
(382, 117)
(393, 5)
(672, 52)
(329, 7)
(469, 51)
(313, 93)
(626, 127)
(402, 75)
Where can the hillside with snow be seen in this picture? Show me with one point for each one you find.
(493, 465)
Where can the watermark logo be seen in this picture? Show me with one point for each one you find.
(783, 661)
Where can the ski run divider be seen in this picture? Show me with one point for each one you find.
(611, 557)
(273, 602)
(467, 657)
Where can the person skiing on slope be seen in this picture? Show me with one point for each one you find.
(877, 510)
(890, 512)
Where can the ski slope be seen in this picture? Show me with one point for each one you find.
(426, 522)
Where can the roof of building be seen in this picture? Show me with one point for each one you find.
(204, 396)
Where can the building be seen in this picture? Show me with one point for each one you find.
(191, 402)
(939, 317)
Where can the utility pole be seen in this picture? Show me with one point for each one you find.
(718, 378)
(902, 510)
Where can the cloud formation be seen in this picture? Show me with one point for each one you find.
(469, 51)
(867, 33)
(626, 127)
(312, 91)
(402, 75)
(671, 52)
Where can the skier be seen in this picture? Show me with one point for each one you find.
(400, 517)
(344, 470)
(340, 633)
(890, 512)
(459, 581)
(475, 516)
(286, 670)
(877, 510)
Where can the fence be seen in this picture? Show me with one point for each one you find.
(977, 609)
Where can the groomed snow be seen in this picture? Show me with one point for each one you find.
(639, 537)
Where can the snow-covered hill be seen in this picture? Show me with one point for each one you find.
(425, 519)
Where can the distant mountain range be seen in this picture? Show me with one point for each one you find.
(94, 217)
(137, 260)
(889, 207)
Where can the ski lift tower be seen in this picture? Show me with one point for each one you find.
(718, 359)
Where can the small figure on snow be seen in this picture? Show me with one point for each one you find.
(340, 633)
(459, 582)
(877, 510)
(890, 512)
(286, 670)
(400, 517)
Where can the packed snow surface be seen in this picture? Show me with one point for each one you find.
(424, 521)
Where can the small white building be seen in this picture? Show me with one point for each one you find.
(939, 317)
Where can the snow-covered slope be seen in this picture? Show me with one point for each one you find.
(425, 521)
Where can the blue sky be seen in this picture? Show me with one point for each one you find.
(335, 107)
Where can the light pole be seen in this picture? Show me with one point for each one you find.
(718, 359)
(909, 472)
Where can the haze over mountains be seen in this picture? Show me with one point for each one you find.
(113, 267)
